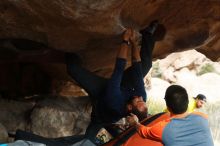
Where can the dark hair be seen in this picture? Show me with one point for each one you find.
(201, 97)
(176, 99)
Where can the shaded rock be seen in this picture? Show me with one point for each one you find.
(56, 117)
(91, 27)
(52, 123)
(23, 79)
(50, 117)
(3, 134)
(15, 114)
(34, 31)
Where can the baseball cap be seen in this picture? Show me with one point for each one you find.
(201, 97)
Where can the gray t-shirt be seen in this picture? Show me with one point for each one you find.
(193, 130)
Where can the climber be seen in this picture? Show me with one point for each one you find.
(113, 98)
(114, 108)
(195, 103)
(182, 128)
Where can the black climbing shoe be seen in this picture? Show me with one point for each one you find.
(151, 28)
(160, 32)
(155, 28)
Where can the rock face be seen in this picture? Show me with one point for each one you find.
(90, 27)
(39, 31)
(51, 117)
(15, 114)
(3, 134)
(62, 116)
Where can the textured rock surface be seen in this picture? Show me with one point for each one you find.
(59, 117)
(90, 27)
(50, 117)
(3, 134)
(32, 31)
(15, 114)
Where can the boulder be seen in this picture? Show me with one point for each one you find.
(57, 117)
(3, 134)
(15, 114)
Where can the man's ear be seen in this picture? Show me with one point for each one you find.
(169, 110)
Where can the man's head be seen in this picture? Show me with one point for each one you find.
(137, 106)
(176, 99)
(200, 100)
